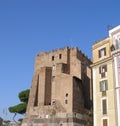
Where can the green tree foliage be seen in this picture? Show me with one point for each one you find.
(20, 120)
(20, 108)
(23, 96)
(1, 120)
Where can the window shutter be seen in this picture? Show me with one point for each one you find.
(104, 122)
(105, 68)
(104, 106)
(116, 43)
(105, 51)
(103, 74)
(99, 70)
(100, 86)
(106, 84)
(103, 85)
(99, 54)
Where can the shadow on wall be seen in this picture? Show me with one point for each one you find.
(86, 92)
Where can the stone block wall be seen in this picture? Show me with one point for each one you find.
(61, 84)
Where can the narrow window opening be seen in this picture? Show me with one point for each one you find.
(104, 106)
(52, 58)
(66, 95)
(60, 56)
(66, 101)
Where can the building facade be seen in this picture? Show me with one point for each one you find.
(106, 80)
(61, 90)
(115, 52)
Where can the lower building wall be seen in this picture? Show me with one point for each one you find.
(60, 119)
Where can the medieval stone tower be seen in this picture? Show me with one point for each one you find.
(61, 90)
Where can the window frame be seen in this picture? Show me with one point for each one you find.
(104, 106)
(103, 70)
(103, 85)
(103, 122)
(118, 62)
(60, 56)
(102, 52)
(53, 58)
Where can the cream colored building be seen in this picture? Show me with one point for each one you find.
(103, 84)
(115, 51)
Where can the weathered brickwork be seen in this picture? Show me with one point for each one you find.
(61, 90)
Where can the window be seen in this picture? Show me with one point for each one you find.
(118, 61)
(104, 106)
(60, 56)
(102, 52)
(102, 70)
(66, 101)
(52, 58)
(119, 40)
(105, 122)
(117, 43)
(103, 86)
(66, 95)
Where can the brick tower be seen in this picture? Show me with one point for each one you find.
(61, 90)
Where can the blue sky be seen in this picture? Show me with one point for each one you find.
(28, 27)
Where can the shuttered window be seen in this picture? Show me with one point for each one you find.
(103, 70)
(104, 106)
(105, 122)
(102, 52)
(103, 85)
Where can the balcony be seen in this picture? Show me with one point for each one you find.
(114, 50)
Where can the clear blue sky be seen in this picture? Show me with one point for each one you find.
(30, 26)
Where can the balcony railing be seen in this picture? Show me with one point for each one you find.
(114, 50)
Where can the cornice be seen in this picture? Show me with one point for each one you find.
(101, 61)
(100, 43)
